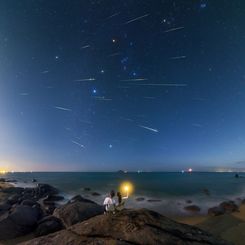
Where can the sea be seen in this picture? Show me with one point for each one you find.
(167, 193)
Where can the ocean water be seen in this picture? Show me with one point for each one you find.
(171, 190)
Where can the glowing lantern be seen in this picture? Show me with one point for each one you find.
(126, 188)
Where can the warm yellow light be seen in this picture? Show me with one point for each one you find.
(126, 188)
(3, 171)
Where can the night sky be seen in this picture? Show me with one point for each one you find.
(108, 85)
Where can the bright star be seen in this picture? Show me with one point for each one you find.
(94, 91)
(110, 146)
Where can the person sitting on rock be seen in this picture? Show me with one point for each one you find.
(109, 202)
(120, 201)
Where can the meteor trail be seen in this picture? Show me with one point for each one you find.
(148, 128)
(85, 79)
(174, 29)
(160, 84)
(102, 98)
(62, 108)
(136, 79)
(178, 57)
(76, 143)
(127, 119)
(135, 19)
(114, 54)
(113, 15)
(86, 46)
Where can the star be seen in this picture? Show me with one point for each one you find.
(203, 5)
(110, 146)
(94, 91)
(102, 71)
(57, 57)
(114, 40)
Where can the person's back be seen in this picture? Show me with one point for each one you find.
(109, 202)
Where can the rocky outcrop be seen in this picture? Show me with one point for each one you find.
(77, 211)
(129, 227)
(20, 221)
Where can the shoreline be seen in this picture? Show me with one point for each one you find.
(233, 222)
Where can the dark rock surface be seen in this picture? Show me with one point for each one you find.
(229, 207)
(47, 225)
(21, 221)
(223, 208)
(154, 200)
(52, 198)
(95, 194)
(79, 198)
(77, 211)
(30, 203)
(129, 227)
(140, 199)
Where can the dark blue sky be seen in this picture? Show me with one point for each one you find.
(108, 85)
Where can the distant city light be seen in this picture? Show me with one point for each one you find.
(190, 170)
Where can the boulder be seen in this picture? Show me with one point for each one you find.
(229, 207)
(224, 208)
(2, 180)
(72, 213)
(52, 199)
(79, 198)
(140, 199)
(22, 220)
(43, 190)
(49, 208)
(215, 211)
(13, 199)
(30, 203)
(129, 227)
(4, 207)
(192, 208)
(13, 190)
(95, 194)
(154, 200)
(47, 225)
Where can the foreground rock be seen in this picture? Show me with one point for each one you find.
(129, 227)
(77, 211)
(20, 221)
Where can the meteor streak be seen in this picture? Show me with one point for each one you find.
(148, 128)
(135, 19)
